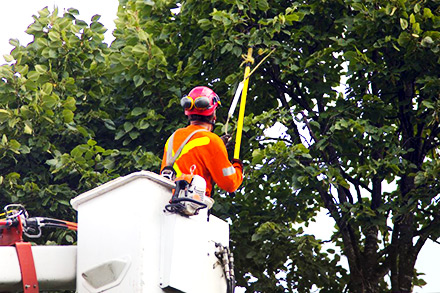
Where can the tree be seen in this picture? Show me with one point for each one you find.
(112, 109)
(384, 129)
(48, 93)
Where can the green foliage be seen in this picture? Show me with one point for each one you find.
(354, 84)
(60, 118)
(48, 96)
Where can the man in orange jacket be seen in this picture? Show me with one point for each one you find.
(196, 150)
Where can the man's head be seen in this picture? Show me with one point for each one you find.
(200, 105)
(201, 100)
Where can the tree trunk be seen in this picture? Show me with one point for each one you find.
(405, 258)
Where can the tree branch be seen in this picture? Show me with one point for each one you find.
(283, 89)
(424, 233)
(355, 182)
(429, 142)
(312, 134)
(277, 138)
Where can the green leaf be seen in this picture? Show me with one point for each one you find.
(109, 124)
(66, 203)
(108, 164)
(33, 75)
(24, 149)
(50, 101)
(69, 238)
(14, 146)
(137, 111)
(70, 103)
(134, 134)
(95, 17)
(41, 69)
(98, 27)
(23, 70)
(80, 23)
(14, 42)
(143, 124)
(78, 151)
(403, 24)
(428, 104)
(296, 16)
(151, 64)
(68, 115)
(139, 49)
(143, 36)
(204, 23)
(91, 142)
(427, 13)
(427, 41)
(54, 35)
(263, 5)
(357, 6)
(4, 115)
(403, 39)
(8, 58)
(28, 127)
(412, 19)
(256, 237)
(257, 156)
(119, 134)
(128, 126)
(73, 11)
(47, 88)
(44, 12)
(138, 80)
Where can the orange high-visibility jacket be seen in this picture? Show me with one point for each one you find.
(208, 153)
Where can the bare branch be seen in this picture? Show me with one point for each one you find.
(424, 233)
(355, 182)
(283, 88)
(429, 143)
(434, 240)
(268, 139)
(312, 134)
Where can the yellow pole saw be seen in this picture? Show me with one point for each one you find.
(242, 91)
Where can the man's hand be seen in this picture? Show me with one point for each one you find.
(229, 143)
(238, 161)
(225, 138)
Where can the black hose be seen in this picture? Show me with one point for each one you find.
(176, 205)
(182, 199)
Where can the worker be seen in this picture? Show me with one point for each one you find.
(196, 150)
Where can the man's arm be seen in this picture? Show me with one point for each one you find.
(228, 176)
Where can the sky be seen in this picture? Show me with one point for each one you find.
(16, 16)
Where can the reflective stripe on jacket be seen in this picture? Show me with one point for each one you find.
(208, 153)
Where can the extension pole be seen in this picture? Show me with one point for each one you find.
(242, 105)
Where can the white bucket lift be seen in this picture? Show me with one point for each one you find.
(128, 242)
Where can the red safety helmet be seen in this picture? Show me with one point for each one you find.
(201, 100)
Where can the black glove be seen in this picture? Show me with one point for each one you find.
(225, 138)
(237, 161)
(229, 143)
